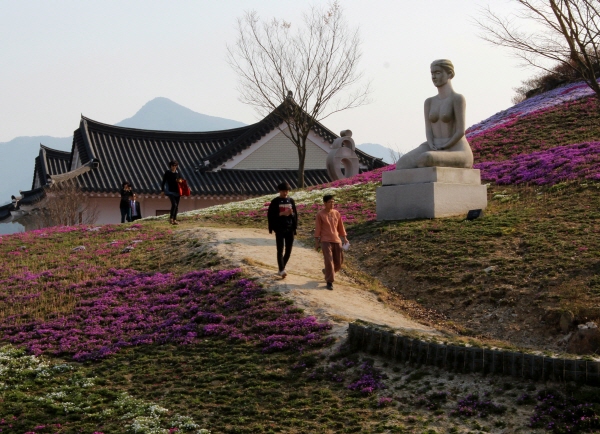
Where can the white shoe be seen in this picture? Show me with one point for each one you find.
(283, 273)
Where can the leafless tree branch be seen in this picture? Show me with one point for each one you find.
(567, 34)
(317, 64)
(65, 205)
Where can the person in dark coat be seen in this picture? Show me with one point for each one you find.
(283, 220)
(134, 206)
(126, 193)
(170, 186)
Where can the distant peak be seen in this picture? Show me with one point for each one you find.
(163, 114)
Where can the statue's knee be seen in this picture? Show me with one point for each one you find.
(404, 162)
(426, 160)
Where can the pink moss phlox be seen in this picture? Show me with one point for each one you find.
(535, 105)
(362, 178)
(369, 380)
(126, 308)
(548, 167)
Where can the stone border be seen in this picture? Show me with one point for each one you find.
(471, 359)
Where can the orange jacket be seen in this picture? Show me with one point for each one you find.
(329, 226)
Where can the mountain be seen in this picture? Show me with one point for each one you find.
(379, 151)
(17, 159)
(164, 114)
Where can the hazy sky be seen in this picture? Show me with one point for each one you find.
(105, 59)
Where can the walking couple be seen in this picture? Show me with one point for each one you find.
(329, 232)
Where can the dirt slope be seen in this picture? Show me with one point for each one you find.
(254, 250)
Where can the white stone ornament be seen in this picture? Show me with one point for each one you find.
(342, 154)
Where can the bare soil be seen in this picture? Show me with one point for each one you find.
(254, 250)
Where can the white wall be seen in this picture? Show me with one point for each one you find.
(280, 153)
(109, 211)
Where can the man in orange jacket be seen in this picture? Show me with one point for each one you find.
(329, 234)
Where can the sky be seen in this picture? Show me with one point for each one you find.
(106, 59)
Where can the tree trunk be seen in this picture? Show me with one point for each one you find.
(301, 161)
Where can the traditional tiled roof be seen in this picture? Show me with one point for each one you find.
(49, 162)
(33, 196)
(140, 156)
(5, 214)
(253, 182)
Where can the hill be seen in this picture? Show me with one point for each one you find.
(510, 276)
(164, 114)
(141, 328)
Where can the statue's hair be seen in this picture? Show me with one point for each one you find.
(445, 64)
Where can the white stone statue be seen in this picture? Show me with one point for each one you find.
(446, 144)
(343, 153)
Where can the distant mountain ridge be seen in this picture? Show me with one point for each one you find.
(17, 156)
(386, 154)
(166, 115)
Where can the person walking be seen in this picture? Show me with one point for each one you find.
(283, 220)
(126, 193)
(170, 186)
(329, 234)
(134, 206)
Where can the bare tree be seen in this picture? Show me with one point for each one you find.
(394, 153)
(65, 205)
(300, 76)
(569, 35)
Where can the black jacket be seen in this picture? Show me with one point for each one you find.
(279, 223)
(170, 179)
(125, 198)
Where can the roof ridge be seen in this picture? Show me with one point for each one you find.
(57, 151)
(138, 131)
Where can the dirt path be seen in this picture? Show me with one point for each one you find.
(254, 250)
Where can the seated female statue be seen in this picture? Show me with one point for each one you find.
(446, 144)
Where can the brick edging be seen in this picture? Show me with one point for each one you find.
(471, 359)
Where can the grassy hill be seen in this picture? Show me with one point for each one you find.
(136, 328)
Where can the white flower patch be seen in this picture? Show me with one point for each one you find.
(146, 418)
(15, 365)
(16, 368)
(301, 197)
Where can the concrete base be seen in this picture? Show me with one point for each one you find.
(446, 175)
(428, 194)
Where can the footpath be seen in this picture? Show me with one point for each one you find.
(254, 250)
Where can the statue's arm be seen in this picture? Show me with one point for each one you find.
(428, 129)
(460, 106)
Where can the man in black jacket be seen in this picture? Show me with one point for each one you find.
(283, 220)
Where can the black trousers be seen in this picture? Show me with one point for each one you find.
(282, 238)
(174, 206)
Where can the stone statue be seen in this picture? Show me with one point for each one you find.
(446, 144)
(343, 153)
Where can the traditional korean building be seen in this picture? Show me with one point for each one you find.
(219, 166)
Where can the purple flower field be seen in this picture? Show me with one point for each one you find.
(563, 163)
(536, 104)
(127, 308)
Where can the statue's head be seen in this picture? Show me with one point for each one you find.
(446, 65)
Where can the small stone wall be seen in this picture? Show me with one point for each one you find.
(471, 359)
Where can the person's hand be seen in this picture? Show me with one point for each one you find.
(317, 244)
(344, 240)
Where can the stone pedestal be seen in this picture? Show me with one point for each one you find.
(429, 192)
